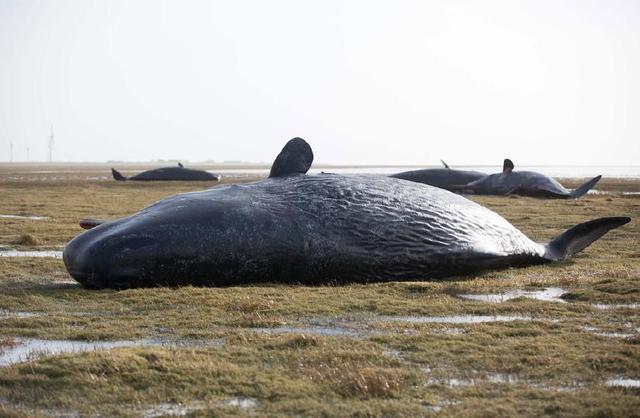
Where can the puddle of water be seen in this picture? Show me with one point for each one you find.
(457, 319)
(625, 383)
(27, 348)
(502, 378)
(172, 409)
(452, 383)
(66, 281)
(4, 314)
(35, 218)
(181, 410)
(324, 331)
(448, 331)
(497, 378)
(242, 403)
(392, 353)
(600, 333)
(550, 294)
(438, 406)
(614, 335)
(630, 193)
(617, 306)
(41, 253)
(48, 412)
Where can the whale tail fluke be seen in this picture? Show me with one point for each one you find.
(117, 176)
(576, 193)
(579, 237)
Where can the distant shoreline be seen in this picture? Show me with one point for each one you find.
(259, 169)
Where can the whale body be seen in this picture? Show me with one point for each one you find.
(444, 178)
(524, 183)
(179, 173)
(296, 228)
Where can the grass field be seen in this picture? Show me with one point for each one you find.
(392, 349)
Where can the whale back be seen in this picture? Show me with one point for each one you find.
(173, 173)
(443, 178)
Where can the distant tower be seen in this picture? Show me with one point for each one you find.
(51, 144)
(10, 151)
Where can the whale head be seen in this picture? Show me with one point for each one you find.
(176, 236)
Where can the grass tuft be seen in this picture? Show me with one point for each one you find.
(27, 240)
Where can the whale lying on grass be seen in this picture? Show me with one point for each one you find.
(444, 178)
(524, 183)
(296, 228)
(179, 173)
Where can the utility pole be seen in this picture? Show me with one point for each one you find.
(51, 144)
(27, 153)
(10, 151)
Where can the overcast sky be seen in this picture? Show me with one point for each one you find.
(381, 82)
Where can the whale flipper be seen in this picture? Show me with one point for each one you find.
(576, 193)
(444, 164)
(295, 158)
(117, 176)
(579, 237)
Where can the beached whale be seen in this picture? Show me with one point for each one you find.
(524, 183)
(296, 228)
(443, 178)
(178, 173)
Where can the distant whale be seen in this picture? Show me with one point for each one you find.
(444, 178)
(296, 228)
(524, 183)
(169, 173)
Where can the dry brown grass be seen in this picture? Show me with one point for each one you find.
(561, 358)
(27, 240)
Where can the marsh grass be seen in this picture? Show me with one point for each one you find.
(27, 240)
(554, 362)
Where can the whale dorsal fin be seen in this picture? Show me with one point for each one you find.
(507, 166)
(444, 164)
(295, 158)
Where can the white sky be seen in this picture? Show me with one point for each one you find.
(393, 82)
